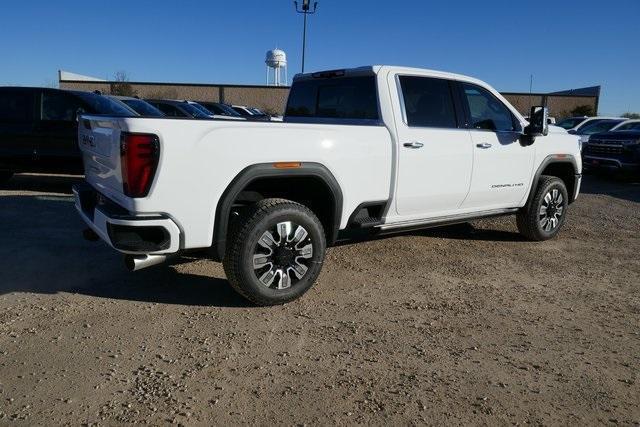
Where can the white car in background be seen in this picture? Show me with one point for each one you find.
(573, 125)
(631, 124)
(594, 126)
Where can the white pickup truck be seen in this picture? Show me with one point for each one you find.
(367, 150)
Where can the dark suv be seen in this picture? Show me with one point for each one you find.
(39, 128)
(618, 150)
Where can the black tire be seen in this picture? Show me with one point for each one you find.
(536, 223)
(245, 241)
(5, 176)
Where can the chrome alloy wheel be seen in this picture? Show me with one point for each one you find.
(551, 210)
(283, 253)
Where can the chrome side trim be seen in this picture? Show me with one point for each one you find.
(446, 219)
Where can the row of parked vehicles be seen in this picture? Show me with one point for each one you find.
(607, 143)
(190, 109)
(39, 128)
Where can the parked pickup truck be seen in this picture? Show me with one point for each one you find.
(377, 149)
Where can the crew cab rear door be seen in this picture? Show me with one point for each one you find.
(434, 149)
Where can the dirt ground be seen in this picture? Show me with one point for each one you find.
(462, 325)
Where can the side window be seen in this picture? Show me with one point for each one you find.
(487, 112)
(59, 106)
(16, 106)
(428, 102)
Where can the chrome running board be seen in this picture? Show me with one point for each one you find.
(446, 219)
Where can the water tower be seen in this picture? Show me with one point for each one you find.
(276, 61)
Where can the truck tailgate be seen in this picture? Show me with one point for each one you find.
(99, 141)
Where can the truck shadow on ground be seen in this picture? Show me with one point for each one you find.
(42, 251)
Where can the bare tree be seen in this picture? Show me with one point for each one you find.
(583, 110)
(121, 85)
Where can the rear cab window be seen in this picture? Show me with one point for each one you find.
(334, 99)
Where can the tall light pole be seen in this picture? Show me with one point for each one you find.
(305, 9)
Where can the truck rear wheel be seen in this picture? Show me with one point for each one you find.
(544, 216)
(274, 251)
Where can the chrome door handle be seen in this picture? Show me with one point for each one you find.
(484, 145)
(413, 144)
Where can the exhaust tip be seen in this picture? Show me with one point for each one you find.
(138, 262)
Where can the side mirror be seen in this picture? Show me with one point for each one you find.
(538, 123)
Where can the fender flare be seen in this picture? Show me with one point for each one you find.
(551, 159)
(267, 170)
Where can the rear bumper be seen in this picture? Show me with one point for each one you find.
(129, 234)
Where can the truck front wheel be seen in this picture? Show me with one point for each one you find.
(544, 216)
(274, 251)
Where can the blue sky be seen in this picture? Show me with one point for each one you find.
(563, 43)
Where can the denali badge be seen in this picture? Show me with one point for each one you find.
(520, 184)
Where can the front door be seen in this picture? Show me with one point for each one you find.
(502, 166)
(435, 152)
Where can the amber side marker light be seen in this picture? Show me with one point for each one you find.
(287, 165)
(561, 156)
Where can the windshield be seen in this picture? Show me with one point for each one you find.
(201, 108)
(103, 105)
(193, 111)
(229, 111)
(215, 109)
(143, 108)
(570, 122)
(241, 111)
(597, 127)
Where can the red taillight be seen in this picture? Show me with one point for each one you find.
(139, 154)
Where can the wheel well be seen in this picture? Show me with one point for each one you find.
(310, 191)
(311, 185)
(565, 171)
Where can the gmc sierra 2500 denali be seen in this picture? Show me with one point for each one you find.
(373, 149)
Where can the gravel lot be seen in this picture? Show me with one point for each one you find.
(463, 325)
